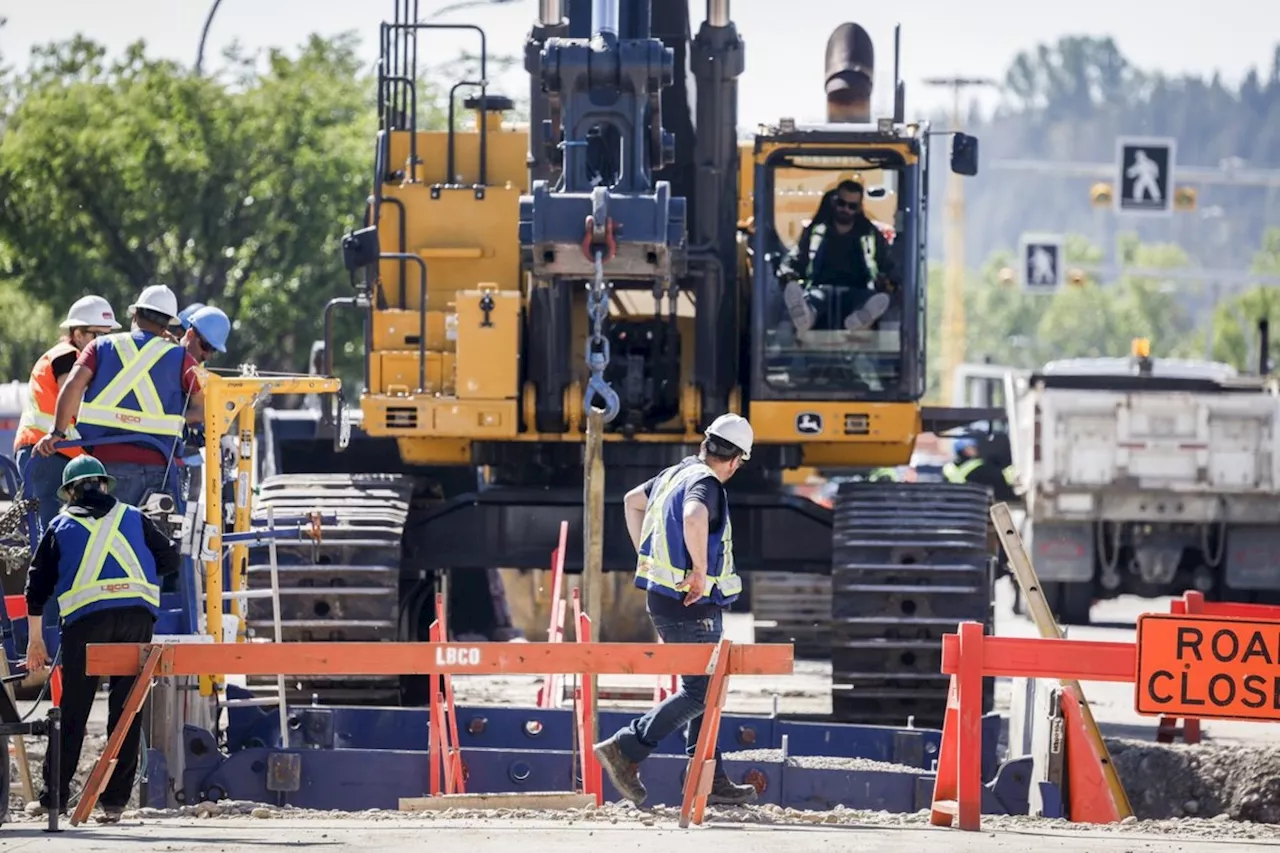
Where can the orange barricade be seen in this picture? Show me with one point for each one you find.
(551, 691)
(968, 657)
(319, 659)
(445, 748)
(1194, 603)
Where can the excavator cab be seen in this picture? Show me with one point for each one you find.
(797, 171)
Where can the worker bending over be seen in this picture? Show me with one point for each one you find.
(969, 467)
(103, 559)
(88, 317)
(679, 524)
(134, 384)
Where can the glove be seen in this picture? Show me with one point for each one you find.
(193, 436)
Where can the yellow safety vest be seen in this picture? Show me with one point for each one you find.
(106, 540)
(818, 234)
(1010, 475)
(659, 529)
(104, 409)
(960, 473)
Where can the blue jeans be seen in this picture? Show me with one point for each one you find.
(134, 482)
(684, 708)
(42, 481)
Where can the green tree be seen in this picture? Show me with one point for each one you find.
(115, 176)
(1235, 322)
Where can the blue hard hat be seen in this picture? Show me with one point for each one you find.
(184, 316)
(212, 325)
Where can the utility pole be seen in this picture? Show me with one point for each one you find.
(953, 320)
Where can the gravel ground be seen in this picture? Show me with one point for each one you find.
(1174, 781)
(818, 762)
(1220, 828)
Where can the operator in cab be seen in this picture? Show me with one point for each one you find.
(970, 467)
(88, 318)
(839, 273)
(679, 524)
(103, 560)
(137, 383)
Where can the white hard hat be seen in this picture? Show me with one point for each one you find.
(90, 311)
(735, 430)
(160, 299)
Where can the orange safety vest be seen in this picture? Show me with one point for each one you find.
(42, 400)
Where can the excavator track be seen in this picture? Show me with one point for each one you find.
(910, 561)
(346, 588)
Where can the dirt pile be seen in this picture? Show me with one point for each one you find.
(1175, 780)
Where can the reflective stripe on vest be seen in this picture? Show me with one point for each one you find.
(1010, 475)
(881, 474)
(960, 473)
(819, 233)
(106, 540)
(655, 564)
(134, 377)
(42, 400)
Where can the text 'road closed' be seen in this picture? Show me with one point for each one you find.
(1202, 667)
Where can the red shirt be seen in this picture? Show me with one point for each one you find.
(134, 453)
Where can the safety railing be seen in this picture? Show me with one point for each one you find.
(445, 659)
(1213, 666)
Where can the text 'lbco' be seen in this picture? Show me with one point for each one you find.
(457, 656)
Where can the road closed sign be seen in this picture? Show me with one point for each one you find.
(1209, 668)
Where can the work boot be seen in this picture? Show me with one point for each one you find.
(726, 793)
(110, 814)
(874, 308)
(802, 313)
(35, 808)
(624, 774)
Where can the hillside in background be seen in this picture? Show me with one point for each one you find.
(1068, 102)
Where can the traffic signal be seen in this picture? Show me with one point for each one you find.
(1184, 199)
(1100, 194)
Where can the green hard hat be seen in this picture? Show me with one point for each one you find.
(83, 468)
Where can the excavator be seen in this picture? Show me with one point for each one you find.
(617, 262)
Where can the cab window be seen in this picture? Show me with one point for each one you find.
(831, 308)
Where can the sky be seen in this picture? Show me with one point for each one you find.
(784, 75)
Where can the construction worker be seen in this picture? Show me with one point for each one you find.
(103, 560)
(679, 524)
(88, 317)
(129, 384)
(969, 467)
(207, 329)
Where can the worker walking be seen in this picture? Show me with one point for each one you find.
(133, 384)
(679, 524)
(88, 317)
(103, 560)
(969, 467)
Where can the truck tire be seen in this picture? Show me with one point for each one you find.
(1070, 602)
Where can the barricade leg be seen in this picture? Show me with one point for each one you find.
(957, 792)
(1089, 798)
(1191, 602)
(592, 780)
(106, 764)
(702, 767)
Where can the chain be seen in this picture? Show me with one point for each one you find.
(15, 558)
(598, 346)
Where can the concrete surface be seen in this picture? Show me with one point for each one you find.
(492, 836)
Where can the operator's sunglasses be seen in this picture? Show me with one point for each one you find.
(841, 204)
(205, 346)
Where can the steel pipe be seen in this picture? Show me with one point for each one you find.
(718, 13)
(604, 16)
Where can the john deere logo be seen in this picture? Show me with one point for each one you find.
(809, 423)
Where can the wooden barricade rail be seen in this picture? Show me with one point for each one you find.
(444, 659)
(1194, 603)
